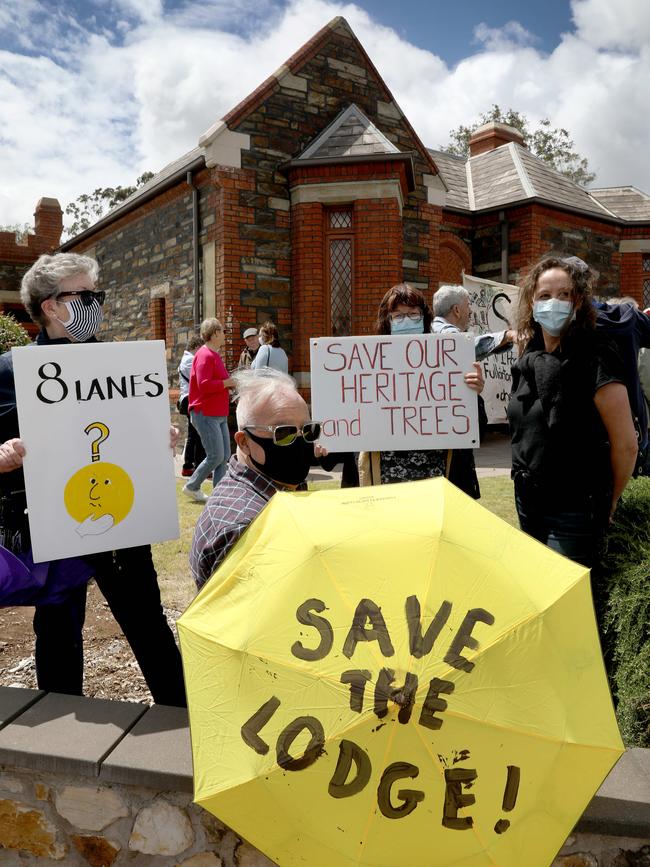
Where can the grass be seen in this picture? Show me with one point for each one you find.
(171, 558)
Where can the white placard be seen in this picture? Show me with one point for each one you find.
(493, 309)
(99, 471)
(397, 393)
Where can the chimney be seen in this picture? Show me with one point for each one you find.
(492, 135)
(48, 221)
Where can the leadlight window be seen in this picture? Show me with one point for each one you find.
(646, 283)
(339, 240)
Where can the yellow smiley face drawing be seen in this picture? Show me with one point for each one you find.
(99, 489)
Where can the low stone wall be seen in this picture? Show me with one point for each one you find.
(93, 782)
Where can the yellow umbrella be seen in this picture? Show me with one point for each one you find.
(394, 676)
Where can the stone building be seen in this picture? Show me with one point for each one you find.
(315, 194)
(16, 256)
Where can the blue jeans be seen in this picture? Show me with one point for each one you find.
(575, 529)
(213, 430)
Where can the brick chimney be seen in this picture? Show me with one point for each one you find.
(48, 221)
(492, 135)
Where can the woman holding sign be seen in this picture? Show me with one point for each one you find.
(574, 444)
(403, 310)
(60, 295)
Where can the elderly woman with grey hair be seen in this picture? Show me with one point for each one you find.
(59, 293)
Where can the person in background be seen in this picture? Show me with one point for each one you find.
(629, 328)
(403, 310)
(193, 452)
(59, 293)
(252, 341)
(209, 404)
(452, 312)
(574, 445)
(276, 444)
(270, 353)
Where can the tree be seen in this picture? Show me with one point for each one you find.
(551, 144)
(89, 207)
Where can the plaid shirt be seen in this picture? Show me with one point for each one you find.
(236, 500)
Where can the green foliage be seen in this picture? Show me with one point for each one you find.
(89, 207)
(11, 333)
(551, 144)
(626, 639)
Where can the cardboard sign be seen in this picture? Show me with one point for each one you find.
(394, 393)
(493, 309)
(99, 471)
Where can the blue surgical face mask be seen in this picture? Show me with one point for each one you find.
(407, 326)
(553, 315)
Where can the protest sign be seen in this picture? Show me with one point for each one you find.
(493, 309)
(385, 392)
(99, 472)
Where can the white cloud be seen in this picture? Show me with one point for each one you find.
(96, 109)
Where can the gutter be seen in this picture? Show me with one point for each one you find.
(126, 208)
(548, 203)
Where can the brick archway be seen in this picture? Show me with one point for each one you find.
(455, 257)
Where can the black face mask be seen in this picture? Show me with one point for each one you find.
(288, 465)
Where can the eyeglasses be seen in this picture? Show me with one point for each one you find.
(87, 296)
(400, 317)
(285, 434)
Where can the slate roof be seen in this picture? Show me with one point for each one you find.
(627, 203)
(454, 173)
(511, 173)
(351, 134)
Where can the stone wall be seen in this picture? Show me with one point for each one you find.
(101, 783)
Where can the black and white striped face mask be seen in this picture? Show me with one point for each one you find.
(84, 319)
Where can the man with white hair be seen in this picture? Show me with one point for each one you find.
(276, 444)
(452, 313)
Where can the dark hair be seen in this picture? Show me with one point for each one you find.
(270, 333)
(194, 342)
(402, 294)
(582, 278)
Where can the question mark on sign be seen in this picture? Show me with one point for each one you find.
(103, 435)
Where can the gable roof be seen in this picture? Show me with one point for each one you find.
(295, 63)
(350, 134)
(627, 203)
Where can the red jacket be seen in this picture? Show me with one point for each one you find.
(207, 391)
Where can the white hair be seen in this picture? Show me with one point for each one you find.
(252, 387)
(43, 279)
(447, 297)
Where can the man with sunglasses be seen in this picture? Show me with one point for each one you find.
(276, 445)
(59, 294)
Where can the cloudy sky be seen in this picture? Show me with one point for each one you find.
(94, 92)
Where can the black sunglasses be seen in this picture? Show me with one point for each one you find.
(87, 296)
(285, 434)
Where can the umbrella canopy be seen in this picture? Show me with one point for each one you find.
(23, 582)
(395, 676)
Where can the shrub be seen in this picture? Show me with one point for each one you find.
(12, 333)
(626, 638)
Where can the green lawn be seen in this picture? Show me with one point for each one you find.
(171, 558)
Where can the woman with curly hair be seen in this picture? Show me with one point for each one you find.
(574, 445)
(403, 310)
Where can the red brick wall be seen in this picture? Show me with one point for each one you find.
(307, 278)
(377, 258)
(632, 275)
(455, 257)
